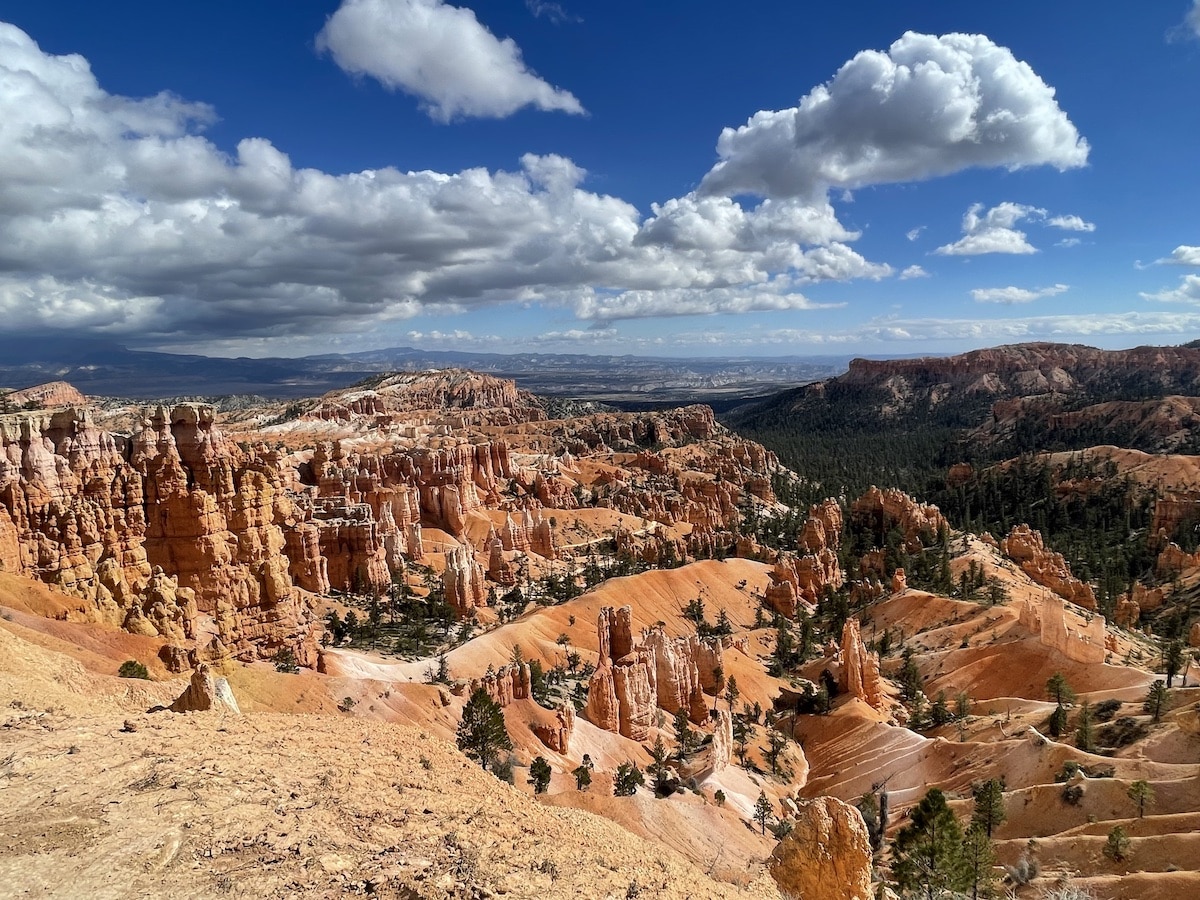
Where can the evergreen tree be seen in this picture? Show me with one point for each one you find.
(989, 811)
(627, 780)
(539, 774)
(1157, 700)
(1116, 847)
(731, 693)
(979, 858)
(481, 733)
(909, 676)
(762, 810)
(741, 734)
(1058, 721)
(1085, 738)
(1059, 691)
(684, 735)
(776, 743)
(583, 777)
(1142, 794)
(1173, 660)
(928, 852)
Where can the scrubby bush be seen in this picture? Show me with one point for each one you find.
(1105, 710)
(1116, 847)
(131, 668)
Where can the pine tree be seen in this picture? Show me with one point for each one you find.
(684, 736)
(732, 692)
(762, 810)
(1173, 660)
(928, 852)
(776, 743)
(627, 780)
(1157, 700)
(583, 777)
(1059, 691)
(1085, 738)
(979, 858)
(989, 811)
(1142, 794)
(481, 733)
(539, 774)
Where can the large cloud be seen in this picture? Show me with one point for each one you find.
(118, 215)
(928, 106)
(439, 53)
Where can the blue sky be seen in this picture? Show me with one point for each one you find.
(289, 176)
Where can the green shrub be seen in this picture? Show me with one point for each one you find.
(131, 668)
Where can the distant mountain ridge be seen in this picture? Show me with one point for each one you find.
(105, 368)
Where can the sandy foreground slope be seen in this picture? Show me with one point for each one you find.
(100, 799)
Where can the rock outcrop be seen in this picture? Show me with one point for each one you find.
(631, 682)
(721, 751)
(1081, 641)
(556, 732)
(1025, 547)
(94, 513)
(859, 672)
(464, 582)
(509, 683)
(206, 691)
(881, 511)
(827, 855)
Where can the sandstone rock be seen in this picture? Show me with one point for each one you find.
(827, 855)
(899, 582)
(463, 581)
(881, 511)
(45, 396)
(602, 708)
(1084, 642)
(556, 733)
(499, 570)
(859, 672)
(1025, 547)
(206, 691)
(614, 627)
(511, 682)
(721, 752)
(1194, 635)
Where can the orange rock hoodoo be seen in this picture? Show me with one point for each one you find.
(920, 523)
(632, 682)
(94, 512)
(1024, 546)
(859, 673)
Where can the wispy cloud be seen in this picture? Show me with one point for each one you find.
(1011, 295)
(552, 11)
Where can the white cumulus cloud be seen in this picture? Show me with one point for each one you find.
(439, 53)
(928, 106)
(119, 216)
(1182, 255)
(913, 272)
(993, 231)
(1011, 295)
(1187, 292)
(1070, 223)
